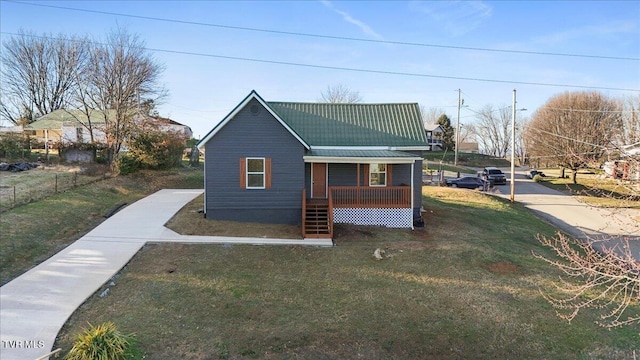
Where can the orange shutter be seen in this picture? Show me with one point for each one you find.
(243, 173)
(267, 173)
(389, 178)
(366, 174)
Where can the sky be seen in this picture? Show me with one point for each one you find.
(215, 52)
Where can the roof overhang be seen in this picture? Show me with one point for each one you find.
(238, 108)
(360, 156)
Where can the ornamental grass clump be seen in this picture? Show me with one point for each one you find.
(102, 342)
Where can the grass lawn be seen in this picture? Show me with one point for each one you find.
(33, 232)
(595, 190)
(465, 287)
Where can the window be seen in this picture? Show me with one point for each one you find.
(378, 175)
(255, 173)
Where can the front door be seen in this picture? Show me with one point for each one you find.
(319, 181)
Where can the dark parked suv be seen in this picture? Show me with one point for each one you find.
(494, 176)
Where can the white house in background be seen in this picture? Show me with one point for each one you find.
(434, 136)
(11, 129)
(627, 166)
(168, 125)
(72, 126)
(632, 150)
(68, 126)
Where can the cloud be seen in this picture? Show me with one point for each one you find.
(350, 19)
(455, 17)
(590, 31)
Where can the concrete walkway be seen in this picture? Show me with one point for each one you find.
(608, 227)
(35, 305)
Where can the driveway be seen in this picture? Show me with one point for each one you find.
(35, 305)
(609, 227)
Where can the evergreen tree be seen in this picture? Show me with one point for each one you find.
(448, 136)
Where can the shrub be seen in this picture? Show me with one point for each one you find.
(127, 164)
(102, 342)
(14, 145)
(537, 178)
(154, 149)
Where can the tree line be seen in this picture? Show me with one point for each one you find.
(572, 130)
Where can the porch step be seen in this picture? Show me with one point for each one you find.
(317, 220)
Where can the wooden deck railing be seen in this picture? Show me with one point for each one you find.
(330, 198)
(371, 197)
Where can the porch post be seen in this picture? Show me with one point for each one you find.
(412, 192)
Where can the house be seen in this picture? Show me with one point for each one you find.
(434, 134)
(17, 129)
(166, 125)
(315, 164)
(72, 126)
(68, 126)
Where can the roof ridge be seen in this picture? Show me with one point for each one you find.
(339, 104)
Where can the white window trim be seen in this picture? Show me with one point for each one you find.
(263, 173)
(371, 166)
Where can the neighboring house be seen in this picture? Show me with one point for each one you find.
(469, 147)
(72, 126)
(632, 150)
(68, 126)
(627, 167)
(434, 134)
(11, 129)
(315, 164)
(168, 125)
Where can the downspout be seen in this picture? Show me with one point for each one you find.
(412, 191)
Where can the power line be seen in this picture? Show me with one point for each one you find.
(586, 110)
(329, 67)
(333, 37)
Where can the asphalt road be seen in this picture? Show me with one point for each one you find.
(608, 227)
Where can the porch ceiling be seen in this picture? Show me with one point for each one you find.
(360, 156)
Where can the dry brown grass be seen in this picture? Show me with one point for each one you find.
(190, 221)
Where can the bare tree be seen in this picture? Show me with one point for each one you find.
(122, 72)
(608, 280)
(38, 75)
(520, 139)
(493, 130)
(340, 94)
(431, 115)
(630, 131)
(574, 129)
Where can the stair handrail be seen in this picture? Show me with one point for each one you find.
(304, 212)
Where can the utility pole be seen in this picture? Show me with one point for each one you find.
(513, 146)
(455, 159)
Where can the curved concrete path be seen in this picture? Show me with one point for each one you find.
(35, 305)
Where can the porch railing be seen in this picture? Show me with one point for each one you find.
(371, 197)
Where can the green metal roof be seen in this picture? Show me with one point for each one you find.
(361, 153)
(57, 118)
(324, 124)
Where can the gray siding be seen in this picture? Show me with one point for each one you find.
(343, 174)
(249, 135)
(417, 186)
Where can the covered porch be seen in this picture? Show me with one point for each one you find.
(361, 187)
